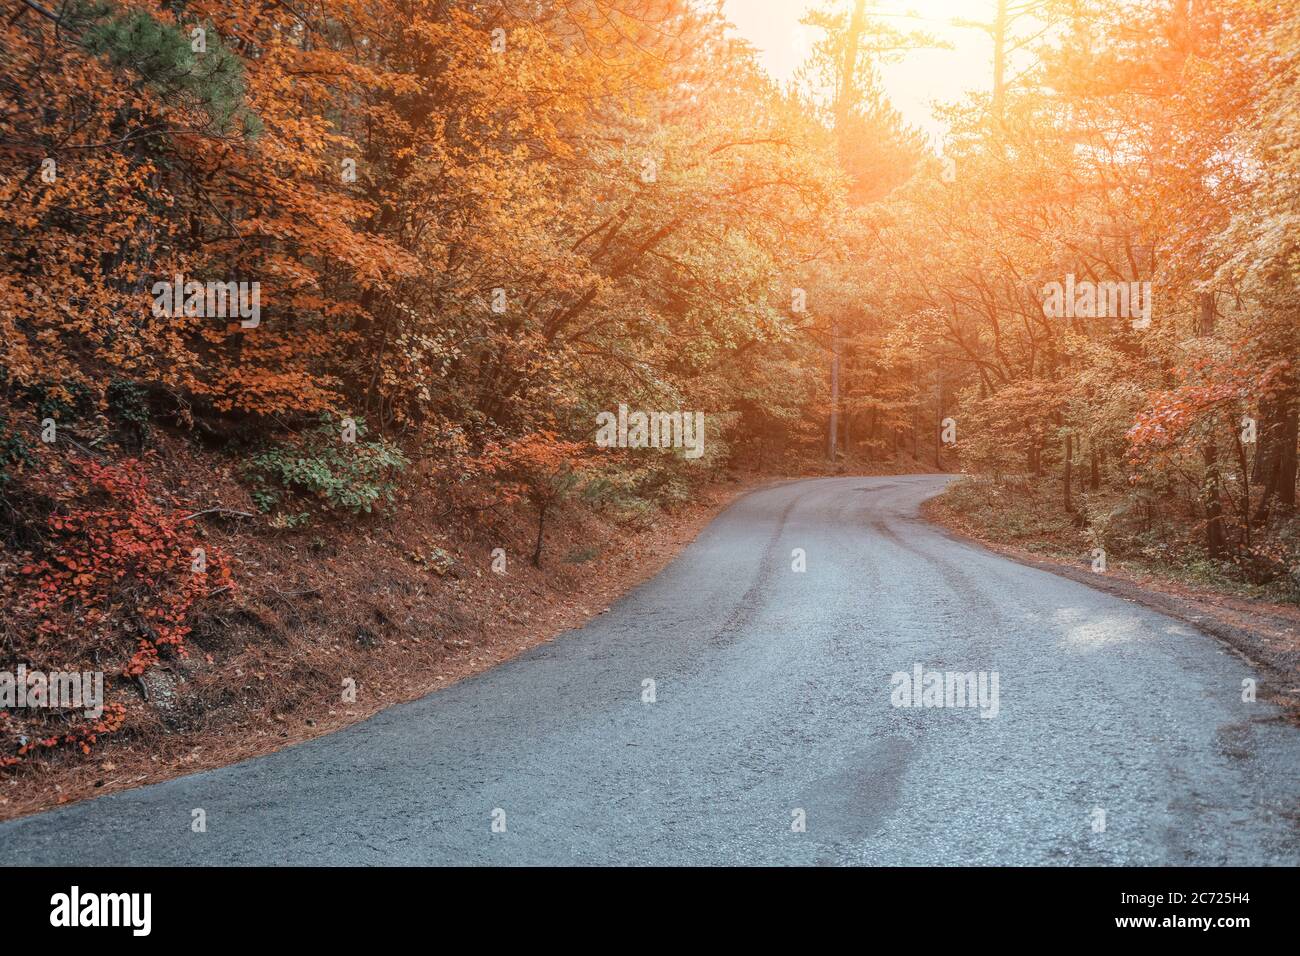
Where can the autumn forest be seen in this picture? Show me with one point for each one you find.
(285, 271)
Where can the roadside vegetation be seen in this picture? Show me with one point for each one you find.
(1149, 540)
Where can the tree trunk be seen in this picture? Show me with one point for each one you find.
(541, 527)
(1214, 536)
(999, 60)
(1275, 460)
(1069, 456)
(1287, 465)
(1205, 321)
(844, 98)
(833, 431)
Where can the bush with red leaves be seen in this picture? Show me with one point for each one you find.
(110, 587)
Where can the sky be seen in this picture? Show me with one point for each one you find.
(923, 77)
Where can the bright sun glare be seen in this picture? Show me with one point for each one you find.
(915, 84)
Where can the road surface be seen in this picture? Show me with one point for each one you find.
(773, 736)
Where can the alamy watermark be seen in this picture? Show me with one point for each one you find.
(923, 688)
(1085, 299)
(56, 690)
(651, 430)
(211, 300)
(75, 908)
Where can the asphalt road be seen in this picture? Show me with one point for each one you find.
(773, 706)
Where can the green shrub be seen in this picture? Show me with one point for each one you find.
(582, 555)
(352, 476)
(128, 406)
(62, 401)
(14, 452)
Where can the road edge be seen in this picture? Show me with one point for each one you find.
(1280, 666)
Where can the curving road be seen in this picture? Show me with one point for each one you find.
(772, 706)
